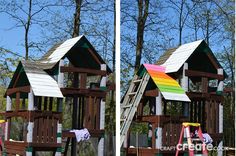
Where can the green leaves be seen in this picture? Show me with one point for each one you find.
(8, 63)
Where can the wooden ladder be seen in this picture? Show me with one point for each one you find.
(130, 103)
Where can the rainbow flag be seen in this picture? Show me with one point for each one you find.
(169, 87)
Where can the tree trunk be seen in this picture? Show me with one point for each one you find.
(114, 40)
(76, 32)
(27, 27)
(207, 27)
(233, 54)
(195, 31)
(142, 16)
(180, 22)
(76, 28)
(110, 151)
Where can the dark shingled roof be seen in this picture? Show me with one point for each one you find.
(50, 51)
(34, 66)
(162, 59)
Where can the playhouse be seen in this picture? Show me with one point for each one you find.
(185, 85)
(35, 97)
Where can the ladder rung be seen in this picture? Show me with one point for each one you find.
(125, 106)
(132, 94)
(137, 81)
(121, 120)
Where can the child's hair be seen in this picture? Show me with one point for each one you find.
(204, 131)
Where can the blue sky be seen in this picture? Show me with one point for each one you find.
(11, 38)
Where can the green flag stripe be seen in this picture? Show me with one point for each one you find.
(172, 89)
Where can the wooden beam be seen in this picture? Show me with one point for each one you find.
(70, 92)
(161, 119)
(94, 56)
(25, 89)
(206, 96)
(23, 114)
(33, 114)
(83, 70)
(17, 78)
(193, 73)
(20, 144)
(143, 151)
(45, 146)
(152, 93)
(214, 63)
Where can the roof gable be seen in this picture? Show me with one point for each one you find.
(174, 58)
(78, 50)
(179, 56)
(41, 83)
(19, 78)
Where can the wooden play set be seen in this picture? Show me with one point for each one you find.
(156, 87)
(72, 70)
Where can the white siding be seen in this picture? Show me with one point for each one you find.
(179, 56)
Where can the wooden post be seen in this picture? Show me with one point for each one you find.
(204, 84)
(59, 104)
(220, 90)
(220, 152)
(30, 100)
(75, 115)
(60, 79)
(30, 132)
(9, 103)
(8, 108)
(59, 140)
(221, 83)
(184, 82)
(6, 129)
(29, 136)
(102, 113)
(184, 85)
(59, 127)
(79, 113)
(50, 103)
(159, 129)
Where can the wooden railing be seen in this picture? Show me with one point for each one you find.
(171, 127)
(45, 127)
(45, 124)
